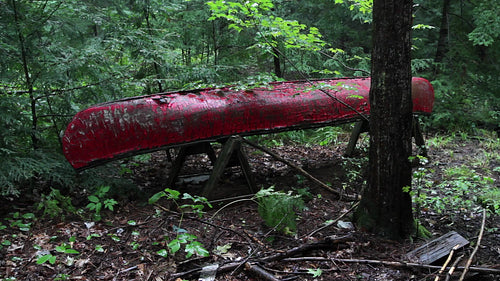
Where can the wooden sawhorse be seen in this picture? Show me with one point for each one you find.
(231, 152)
(363, 126)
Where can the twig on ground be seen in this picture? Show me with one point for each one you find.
(446, 262)
(246, 237)
(486, 270)
(302, 171)
(469, 261)
(334, 221)
(453, 267)
(327, 242)
(260, 272)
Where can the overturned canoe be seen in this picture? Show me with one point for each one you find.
(131, 126)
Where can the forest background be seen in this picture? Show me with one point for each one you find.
(59, 57)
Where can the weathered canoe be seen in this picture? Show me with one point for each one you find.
(131, 126)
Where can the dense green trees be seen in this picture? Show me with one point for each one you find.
(60, 56)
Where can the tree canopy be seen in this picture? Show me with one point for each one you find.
(59, 57)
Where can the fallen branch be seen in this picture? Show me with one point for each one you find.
(469, 261)
(299, 169)
(447, 262)
(392, 263)
(327, 242)
(453, 267)
(260, 272)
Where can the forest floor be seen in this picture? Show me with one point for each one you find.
(136, 240)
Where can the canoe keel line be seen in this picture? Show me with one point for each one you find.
(126, 127)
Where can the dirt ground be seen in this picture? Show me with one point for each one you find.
(131, 242)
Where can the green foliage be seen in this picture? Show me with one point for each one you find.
(183, 238)
(271, 30)
(361, 9)
(279, 209)
(490, 199)
(487, 23)
(458, 190)
(315, 272)
(20, 221)
(174, 195)
(55, 204)
(191, 246)
(99, 200)
(63, 248)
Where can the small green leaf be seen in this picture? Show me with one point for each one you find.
(196, 247)
(93, 199)
(174, 245)
(71, 251)
(29, 216)
(315, 272)
(44, 259)
(173, 194)
(99, 248)
(163, 253)
(153, 199)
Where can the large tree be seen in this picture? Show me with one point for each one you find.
(386, 207)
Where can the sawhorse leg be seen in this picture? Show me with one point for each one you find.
(363, 126)
(231, 146)
(184, 151)
(360, 127)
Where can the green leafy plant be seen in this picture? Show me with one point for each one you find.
(191, 245)
(98, 201)
(63, 248)
(174, 195)
(490, 199)
(55, 204)
(279, 209)
(21, 221)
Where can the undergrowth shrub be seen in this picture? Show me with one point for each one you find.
(279, 209)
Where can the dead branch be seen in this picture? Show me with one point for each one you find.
(453, 267)
(299, 169)
(469, 261)
(327, 242)
(260, 272)
(485, 270)
(447, 261)
(334, 221)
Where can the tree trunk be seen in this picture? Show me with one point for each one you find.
(277, 62)
(385, 208)
(442, 45)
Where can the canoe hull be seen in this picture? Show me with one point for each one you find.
(126, 127)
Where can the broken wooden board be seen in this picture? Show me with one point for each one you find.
(437, 248)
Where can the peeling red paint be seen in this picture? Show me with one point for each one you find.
(132, 126)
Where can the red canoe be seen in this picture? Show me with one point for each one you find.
(126, 127)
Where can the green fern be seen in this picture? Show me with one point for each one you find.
(278, 209)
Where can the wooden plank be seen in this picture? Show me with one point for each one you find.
(437, 248)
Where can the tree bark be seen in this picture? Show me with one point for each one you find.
(442, 45)
(385, 208)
